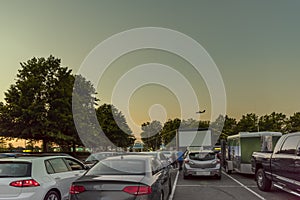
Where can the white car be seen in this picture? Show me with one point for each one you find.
(201, 163)
(38, 177)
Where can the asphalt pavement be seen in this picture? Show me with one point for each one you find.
(231, 187)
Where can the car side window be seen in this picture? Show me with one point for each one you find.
(49, 168)
(156, 165)
(162, 156)
(73, 164)
(290, 144)
(58, 165)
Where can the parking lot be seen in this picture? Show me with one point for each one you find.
(234, 186)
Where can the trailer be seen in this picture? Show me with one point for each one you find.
(237, 151)
(194, 138)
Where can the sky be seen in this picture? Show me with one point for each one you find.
(253, 46)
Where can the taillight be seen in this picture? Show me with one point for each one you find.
(76, 189)
(138, 190)
(25, 183)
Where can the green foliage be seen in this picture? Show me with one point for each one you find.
(248, 123)
(274, 122)
(293, 123)
(114, 126)
(151, 135)
(169, 130)
(83, 107)
(229, 128)
(39, 105)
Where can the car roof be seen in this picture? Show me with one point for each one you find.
(150, 152)
(32, 157)
(130, 156)
(105, 152)
(201, 151)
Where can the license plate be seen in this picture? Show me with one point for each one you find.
(203, 173)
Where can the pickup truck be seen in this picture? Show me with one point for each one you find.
(280, 168)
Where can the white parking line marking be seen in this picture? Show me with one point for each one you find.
(174, 186)
(217, 186)
(247, 188)
(241, 185)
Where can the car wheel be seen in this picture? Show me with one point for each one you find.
(52, 195)
(263, 183)
(219, 177)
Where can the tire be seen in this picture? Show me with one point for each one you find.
(219, 177)
(52, 195)
(263, 183)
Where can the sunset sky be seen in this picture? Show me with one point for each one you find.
(254, 44)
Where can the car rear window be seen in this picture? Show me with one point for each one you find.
(15, 169)
(202, 156)
(96, 157)
(118, 167)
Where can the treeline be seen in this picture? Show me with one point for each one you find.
(39, 107)
(275, 122)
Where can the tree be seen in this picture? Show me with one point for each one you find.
(168, 132)
(273, 122)
(10, 147)
(84, 114)
(59, 113)
(151, 135)
(230, 127)
(38, 105)
(2, 144)
(293, 123)
(189, 123)
(114, 126)
(248, 123)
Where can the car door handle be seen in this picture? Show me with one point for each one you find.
(57, 178)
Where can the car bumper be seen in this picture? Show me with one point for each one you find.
(202, 172)
(27, 196)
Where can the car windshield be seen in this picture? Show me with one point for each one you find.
(15, 169)
(118, 167)
(202, 156)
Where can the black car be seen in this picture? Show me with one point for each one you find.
(123, 177)
(279, 168)
(159, 155)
